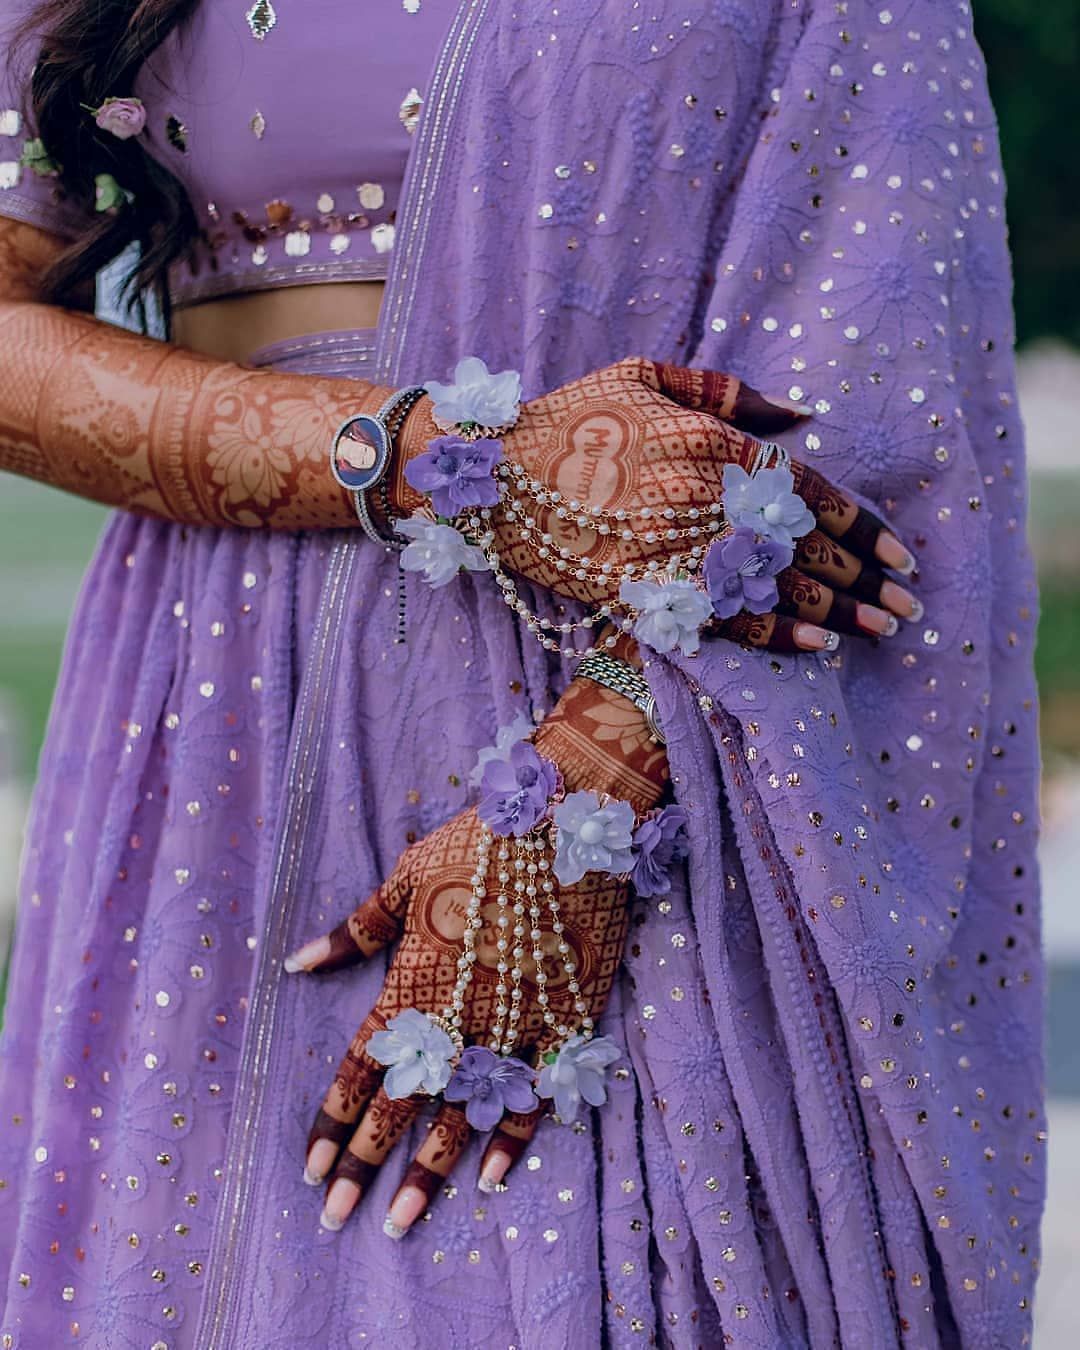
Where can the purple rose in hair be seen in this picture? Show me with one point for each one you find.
(490, 1084)
(741, 570)
(515, 790)
(456, 474)
(121, 117)
(659, 842)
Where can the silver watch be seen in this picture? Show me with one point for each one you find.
(622, 678)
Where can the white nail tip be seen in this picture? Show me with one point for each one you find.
(892, 625)
(292, 965)
(392, 1231)
(918, 609)
(312, 1178)
(486, 1185)
(832, 641)
(328, 1222)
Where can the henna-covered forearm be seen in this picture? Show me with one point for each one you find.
(153, 428)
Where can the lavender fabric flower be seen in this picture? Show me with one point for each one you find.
(767, 503)
(417, 1052)
(592, 837)
(505, 739)
(576, 1074)
(670, 613)
(490, 1084)
(741, 570)
(121, 117)
(515, 791)
(437, 550)
(477, 395)
(456, 473)
(659, 842)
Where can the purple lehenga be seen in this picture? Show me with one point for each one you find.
(831, 1128)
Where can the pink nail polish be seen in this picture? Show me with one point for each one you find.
(493, 1171)
(409, 1203)
(876, 621)
(320, 1160)
(340, 1201)
(812, 638)
(789, 405)
(307, 956)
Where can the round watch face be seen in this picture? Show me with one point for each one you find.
(359, 453)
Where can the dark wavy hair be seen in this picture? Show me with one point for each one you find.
(87, 50)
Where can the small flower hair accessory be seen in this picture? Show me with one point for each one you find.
(437, 550)
(767, 503)
(490, 1084)
(575, 1073)
(516, 791)
(456, 473)
(476, 398)
(419, 1054)
(37, 159)
(120, 117)
(592, 836)
(108, 194)
(741, 570)
(505, 739)
(660, 841)
(670, 612)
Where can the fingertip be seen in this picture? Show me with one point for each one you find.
(811, 638)
(892, 553)
(309, 956)
(494, 1169)
(789, 406)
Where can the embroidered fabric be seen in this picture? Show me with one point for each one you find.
(292, 138)
(832, 1129)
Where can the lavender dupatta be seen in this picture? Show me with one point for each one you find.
(830, 1127)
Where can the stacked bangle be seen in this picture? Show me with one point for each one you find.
(603, 668)
(370, 436)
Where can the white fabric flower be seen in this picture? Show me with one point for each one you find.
(505, 740)
(670, 613)
(591, 837)
(477, 395)
(437, 550)
(767, 502)
(576, 1074)
(419, 1055)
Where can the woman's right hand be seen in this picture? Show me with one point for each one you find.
(642, 438)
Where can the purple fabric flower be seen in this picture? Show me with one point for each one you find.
(592, 837)
(576, 1074)
(659, 842)
(767, 502)
(741, 570)
(490, 1084)
(456, 473)
(515, 790)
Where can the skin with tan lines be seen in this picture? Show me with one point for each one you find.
(154, 428)
(187, 436)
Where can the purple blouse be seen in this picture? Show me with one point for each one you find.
(290, 125)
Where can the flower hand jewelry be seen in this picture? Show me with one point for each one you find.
(467, 478)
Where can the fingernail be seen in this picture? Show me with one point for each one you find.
(788, 405)
(874, 620)
(493, 1171)
(409, 1203)
(893, 554)
(309, 955)
(901, 602)
(813, 638)
(319, 1161)
(340, 1202)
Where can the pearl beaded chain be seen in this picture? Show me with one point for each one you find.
(524, 871)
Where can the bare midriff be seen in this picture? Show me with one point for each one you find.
(234, 327)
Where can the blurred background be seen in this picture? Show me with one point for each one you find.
(1033, 51)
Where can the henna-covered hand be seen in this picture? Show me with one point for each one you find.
(599, 740)
(641, 434)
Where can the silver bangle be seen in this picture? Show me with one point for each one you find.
(769, 451)
(370, 438)
(621, 678)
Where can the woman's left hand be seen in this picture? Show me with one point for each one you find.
(600, 741)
